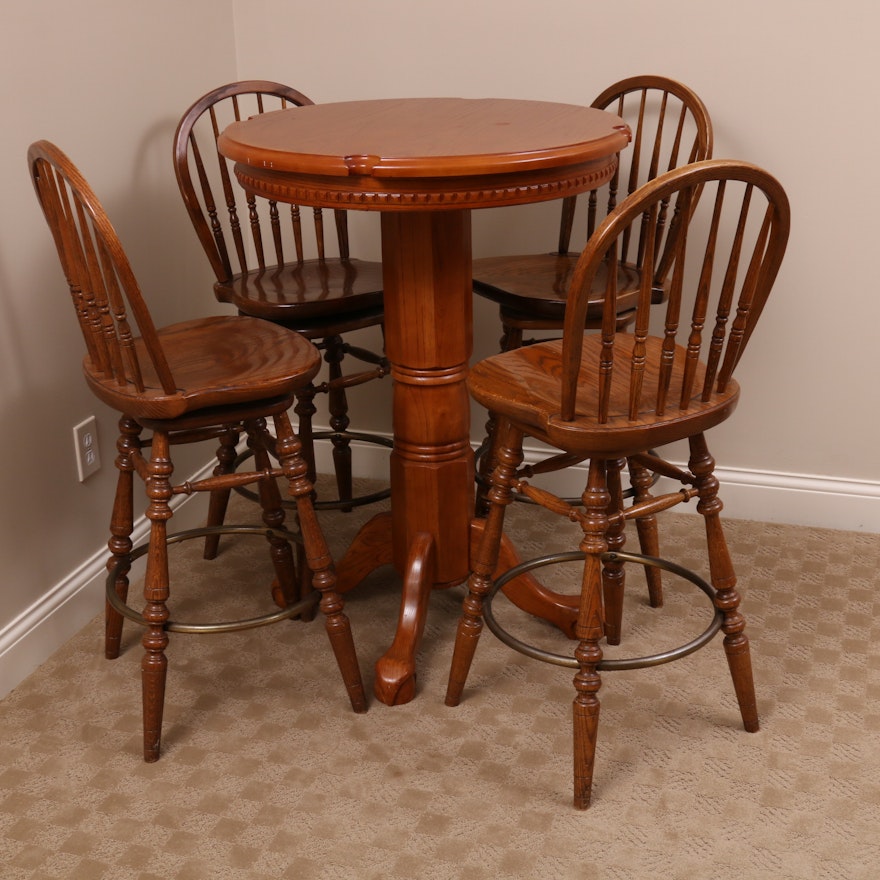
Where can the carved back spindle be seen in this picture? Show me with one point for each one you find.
(638, 359)
(566, 223)
(696, 153)
(210, 207)
(229, 188)
(54, 199)
(341, 219)
(701, 301)
(754, 293)
(654, 166)
(653, 170)
(675, 254)
(609, 331)
(635, 161)
(319, 232)
(725, 300)
(114, 320)
(721, 259)
(256, 233)
(275, 226)
(296, 224)
(85, 276)
(124, 365)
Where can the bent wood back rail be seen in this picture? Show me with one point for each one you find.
(424, 163)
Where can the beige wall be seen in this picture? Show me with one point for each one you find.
(107, 82)
(789, 84)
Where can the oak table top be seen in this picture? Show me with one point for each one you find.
(424, 163)
(409, 153)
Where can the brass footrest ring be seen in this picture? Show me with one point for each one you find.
(333, 503)
(611, 664)
(286, 613)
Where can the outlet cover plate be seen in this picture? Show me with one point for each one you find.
(85, 439)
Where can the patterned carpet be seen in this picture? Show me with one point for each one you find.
(266, 773)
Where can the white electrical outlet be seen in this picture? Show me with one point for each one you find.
(85, 440)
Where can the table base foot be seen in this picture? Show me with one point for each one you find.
(395, 682)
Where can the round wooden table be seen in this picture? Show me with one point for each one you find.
(424, 163)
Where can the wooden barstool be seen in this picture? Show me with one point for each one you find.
(196, 380)
(612, 396)
(259, 260)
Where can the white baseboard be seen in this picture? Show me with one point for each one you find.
(797, 499)
(59, 614)
(800, 499)
(851, 505)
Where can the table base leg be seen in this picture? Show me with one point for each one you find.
(395, 682)
(371, 548)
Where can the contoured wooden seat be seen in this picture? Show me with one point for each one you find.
(197, 380)
(608, 396)
(258, 251)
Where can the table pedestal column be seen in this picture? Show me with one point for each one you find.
(426, 258)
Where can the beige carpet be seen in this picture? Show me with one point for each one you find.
(266, 773)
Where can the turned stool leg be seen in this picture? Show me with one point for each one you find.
(613, 575)
(121, 526)
(727, 599)
(485, 562)
(646, 527)
(589, 630)
(488, 460)
(339, 421)
(305, 409)
(219, 500)
(511, 338)
(154, 665)
(320, 562)
(286, 590)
